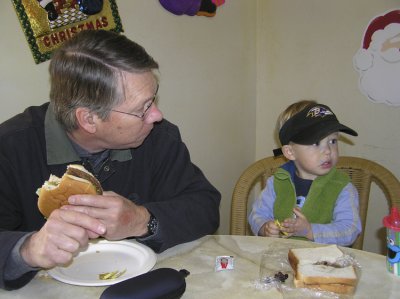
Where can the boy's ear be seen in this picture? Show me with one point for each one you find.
(287, 151)
(85, 119)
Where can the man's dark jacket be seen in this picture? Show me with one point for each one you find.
(159, 175)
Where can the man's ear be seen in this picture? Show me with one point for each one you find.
(85, 119)
(287, 151)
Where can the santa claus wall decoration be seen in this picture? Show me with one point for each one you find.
(378, 59)
(49, 23)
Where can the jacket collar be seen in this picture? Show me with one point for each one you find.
(59, 149)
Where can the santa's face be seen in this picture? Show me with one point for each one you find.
(379, 66)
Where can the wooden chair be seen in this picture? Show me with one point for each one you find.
(361, 171)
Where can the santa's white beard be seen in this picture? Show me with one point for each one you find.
(381, 82)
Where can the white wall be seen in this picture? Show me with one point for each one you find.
(225, 79)
(22, 82)
(207, 83)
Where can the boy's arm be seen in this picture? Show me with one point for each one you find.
(346, 223)
(263, 207)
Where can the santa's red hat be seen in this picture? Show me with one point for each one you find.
(363, 59)
(380, 23)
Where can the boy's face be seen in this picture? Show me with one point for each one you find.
(314, 160)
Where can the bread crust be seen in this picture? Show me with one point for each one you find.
(293, 260)
(80, 172)
(328, 275)
(52, 199)
(332, 287)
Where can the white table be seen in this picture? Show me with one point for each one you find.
(198, 257)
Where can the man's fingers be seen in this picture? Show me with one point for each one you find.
(97, 201)
(82, 220)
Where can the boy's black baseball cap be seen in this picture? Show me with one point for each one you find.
(312, 124)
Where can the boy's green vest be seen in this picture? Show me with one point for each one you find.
(321, 199)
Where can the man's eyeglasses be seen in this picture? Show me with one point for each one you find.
(145, 108)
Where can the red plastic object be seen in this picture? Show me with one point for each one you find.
(392, 221)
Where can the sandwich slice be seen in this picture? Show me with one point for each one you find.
(55, 191)
(318, 268)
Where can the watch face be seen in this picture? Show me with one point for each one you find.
(152, 225)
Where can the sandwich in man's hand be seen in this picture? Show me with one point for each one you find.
(55, 192)
(318, 268)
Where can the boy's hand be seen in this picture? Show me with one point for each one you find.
(298, 226)
(279, 225)
(269, 229)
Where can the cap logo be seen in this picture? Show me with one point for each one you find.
(319, 112)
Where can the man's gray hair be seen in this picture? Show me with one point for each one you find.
(86, 71)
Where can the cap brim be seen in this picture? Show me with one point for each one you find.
(320, 131)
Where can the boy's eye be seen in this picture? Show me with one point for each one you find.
(316, 144)
(333, 141)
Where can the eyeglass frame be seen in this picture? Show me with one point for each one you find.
(145, 110)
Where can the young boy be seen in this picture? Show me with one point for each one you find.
(307, 197)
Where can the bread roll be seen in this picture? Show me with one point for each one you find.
(55, 192)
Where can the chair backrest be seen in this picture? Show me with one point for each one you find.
(362, 173)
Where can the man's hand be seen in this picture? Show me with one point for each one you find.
(122, 217)
(63, 234)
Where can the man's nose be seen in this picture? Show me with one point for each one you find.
(154, 114)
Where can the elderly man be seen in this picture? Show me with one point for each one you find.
(102, 115)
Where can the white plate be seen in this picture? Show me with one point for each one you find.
(106, 256)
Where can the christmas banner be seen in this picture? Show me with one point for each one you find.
(49, 23)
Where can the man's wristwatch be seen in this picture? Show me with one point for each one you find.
(152, 225)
